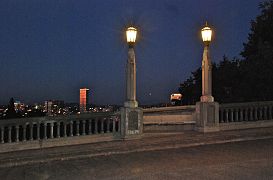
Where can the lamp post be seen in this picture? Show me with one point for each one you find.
(206, 33)
(207, 111)
(131, 102)
(131, 115)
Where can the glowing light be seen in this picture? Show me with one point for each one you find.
(131, 34)
(206, 34)
(84, 93)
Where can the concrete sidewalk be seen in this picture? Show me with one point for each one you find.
(149, 142)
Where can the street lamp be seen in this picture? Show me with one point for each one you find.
(206, 33)
(131, 102)
(131, 34)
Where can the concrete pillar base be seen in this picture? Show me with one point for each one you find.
(207, 129)
(131, 104)
(131, 123)
(207, 99)
(207, 117)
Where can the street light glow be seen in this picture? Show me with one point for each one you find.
(206, 34)
(131, 33)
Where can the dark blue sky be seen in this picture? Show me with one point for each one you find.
(51, 48)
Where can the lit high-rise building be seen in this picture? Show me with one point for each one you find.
(84, 98)
(53, 107)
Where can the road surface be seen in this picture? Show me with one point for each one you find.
(237, 160)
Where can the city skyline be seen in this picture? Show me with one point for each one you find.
(48, 50)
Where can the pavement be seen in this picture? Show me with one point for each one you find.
(148, 143)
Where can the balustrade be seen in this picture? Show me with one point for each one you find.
(43, 128)
(239, 112)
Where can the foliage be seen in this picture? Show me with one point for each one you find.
(258, 56)
(11, 113)
(248, 79)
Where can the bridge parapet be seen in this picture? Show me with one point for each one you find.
(253, 111)
(176, 118)
(246, 115)
(39, 130)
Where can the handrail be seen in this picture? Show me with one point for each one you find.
(42, 128)
(250, 111)
(170, 109)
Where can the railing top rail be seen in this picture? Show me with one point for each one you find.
(246, 104)
(169, 109)
(86, 116)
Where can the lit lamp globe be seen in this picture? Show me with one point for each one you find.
(206, 33)
(131, 33)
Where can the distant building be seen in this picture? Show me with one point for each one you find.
(53, 107)
(176, 99)
(18, 106)
(48, 107)
(84, 99)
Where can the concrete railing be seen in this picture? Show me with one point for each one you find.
(254, 111)
(174, 118)
(42, 129)
(246, 115)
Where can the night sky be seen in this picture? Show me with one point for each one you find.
(51, 48)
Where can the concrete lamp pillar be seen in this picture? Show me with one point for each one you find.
(206, 77)
(207, 111)
(131, 114)
(131, 80)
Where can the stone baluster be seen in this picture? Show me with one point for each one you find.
(78, 128)
(114, 125)
(31, 132)
(96, 126)
(260, 113)
(71, 128)
(9, 134)
(265, 113)
(45, 130)
(101, 125)
(58, 129)
(38, 131)
(83, 127)
(270, 112)
(65, 134)
(108, 125)
(231, 115)
(17, 133)
(2, 134)
(251, 113)
(24, 132)
(51, 130)
(118, 124)
(241, 114)
(236, 119)
(89, 126)
(255, 113)
(246, 114)
(226, 116)
(221, 116)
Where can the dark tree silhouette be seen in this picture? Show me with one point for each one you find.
(249, 79)
(257, 65)
(11, 113)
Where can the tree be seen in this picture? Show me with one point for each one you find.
(225, 77)
(11, 113)
(258, 56)
(191, 88)
(249, 79)
(226, 80)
